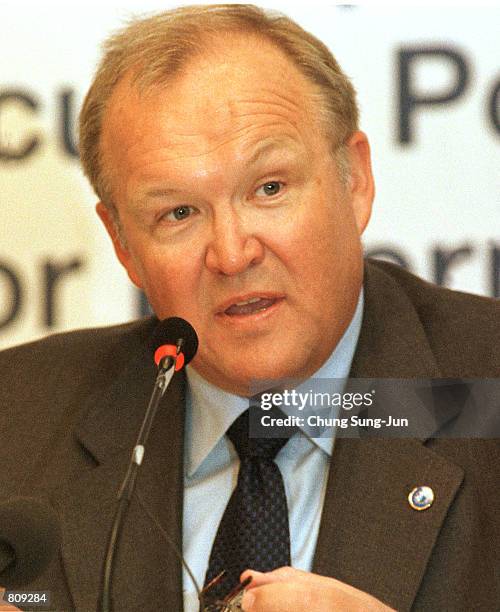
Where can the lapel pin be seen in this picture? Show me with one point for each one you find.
(421, 498)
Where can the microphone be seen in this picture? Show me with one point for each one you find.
(174, 343)
(29, 538)
(166, 337)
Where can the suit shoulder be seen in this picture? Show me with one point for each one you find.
(462, 329)
(44, 387)
(67, 366)
(82, 344)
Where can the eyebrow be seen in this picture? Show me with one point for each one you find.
(263, 148)
(160, 192)
(266, 146)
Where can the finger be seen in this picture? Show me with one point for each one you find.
(282, 574)
(248, 601)
(283, 597)
(278, 597)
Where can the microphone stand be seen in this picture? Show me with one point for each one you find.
(163, 378)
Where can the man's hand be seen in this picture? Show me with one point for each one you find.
(288, 589)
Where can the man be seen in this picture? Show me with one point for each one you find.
(235, 185)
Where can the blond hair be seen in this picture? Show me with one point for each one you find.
(155, 48)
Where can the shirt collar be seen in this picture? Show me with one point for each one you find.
(210, 411)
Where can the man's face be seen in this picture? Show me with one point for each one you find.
(233, 215)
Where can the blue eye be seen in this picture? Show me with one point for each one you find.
(270, 188)
(179, 213)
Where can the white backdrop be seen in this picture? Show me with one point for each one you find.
(436, 164)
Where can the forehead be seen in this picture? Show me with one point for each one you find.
(241, 85)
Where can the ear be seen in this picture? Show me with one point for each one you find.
(361, 185)
(122, 252)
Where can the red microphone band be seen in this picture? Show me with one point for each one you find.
(169, 350)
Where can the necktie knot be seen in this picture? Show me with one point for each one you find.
(247, 447)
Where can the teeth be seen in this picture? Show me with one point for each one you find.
(250, 301)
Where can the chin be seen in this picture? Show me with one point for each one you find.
(255, 379)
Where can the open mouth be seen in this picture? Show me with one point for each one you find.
(250, 306)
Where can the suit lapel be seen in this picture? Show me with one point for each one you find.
(146, 564)
(369, 536)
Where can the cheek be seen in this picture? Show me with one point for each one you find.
(323, 255)
(170, 282)
(313, 239)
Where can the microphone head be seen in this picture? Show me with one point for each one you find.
(30, 535)
(170, 330)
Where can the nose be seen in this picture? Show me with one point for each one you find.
(232, 247)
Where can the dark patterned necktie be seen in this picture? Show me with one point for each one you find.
(253, 532)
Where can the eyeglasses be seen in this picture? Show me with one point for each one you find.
(230, 603)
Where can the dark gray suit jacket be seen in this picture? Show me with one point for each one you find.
(71, 406)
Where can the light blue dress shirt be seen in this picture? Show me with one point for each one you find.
(211, 466)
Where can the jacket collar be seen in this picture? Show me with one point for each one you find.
(392, 341)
